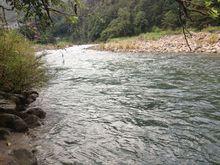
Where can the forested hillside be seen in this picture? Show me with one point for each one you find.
(104, 19)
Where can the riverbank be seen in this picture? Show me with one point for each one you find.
(200, 42)
(17, 118)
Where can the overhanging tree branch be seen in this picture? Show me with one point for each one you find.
(40, 10)
(186, 7)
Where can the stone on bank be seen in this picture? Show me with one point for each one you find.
(16, 116)
(13, 122)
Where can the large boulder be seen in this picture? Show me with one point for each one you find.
(4, 133)
(13, 122)
(20, 101)
(37, 112)
(24, 157)
(32, 121)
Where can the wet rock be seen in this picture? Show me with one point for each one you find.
(17, 100)
(13, 122)
(4, 133)
(32, 121)
(6, 104)
(30, 96)
(23, 115)
(30, 100)
(34, 94)
(20, 101)
(37, 112)
(30, 93)
(24, 157)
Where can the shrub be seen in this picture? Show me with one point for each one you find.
(20, 69)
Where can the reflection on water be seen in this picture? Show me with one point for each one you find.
(107, 108)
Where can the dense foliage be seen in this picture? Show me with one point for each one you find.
(101, 20)
(19, 68)
(104, 19)
(40, 10)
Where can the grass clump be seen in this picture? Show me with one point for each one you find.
(212, 29)
(123, 45)
(213, 38)
(156, 35)
(20, 69)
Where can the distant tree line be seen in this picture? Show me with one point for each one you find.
(101, 20)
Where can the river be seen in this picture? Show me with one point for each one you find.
(126, 108)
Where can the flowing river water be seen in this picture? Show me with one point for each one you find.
(126, 108)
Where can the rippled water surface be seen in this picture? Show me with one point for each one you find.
(109, 108)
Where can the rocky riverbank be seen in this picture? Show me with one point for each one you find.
(17, 117)
(200, 42)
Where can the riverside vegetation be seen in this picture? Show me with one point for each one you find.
(137, 26)
(100, 21)
(20, 69)
(20, 72)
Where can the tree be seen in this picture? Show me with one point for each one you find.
(119, 26)
(40, 10)
(207, 8)
(140, 22)
(170, 20)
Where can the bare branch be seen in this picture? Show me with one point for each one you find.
(45, 4)
(184, 27)
(4, 16)
(59, 12)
